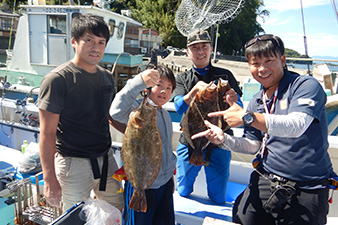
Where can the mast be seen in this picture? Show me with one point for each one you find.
(305, 41)
(335, 9)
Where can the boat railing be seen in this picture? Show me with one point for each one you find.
(311, 59)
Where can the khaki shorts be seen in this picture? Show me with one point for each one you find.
(76, 178)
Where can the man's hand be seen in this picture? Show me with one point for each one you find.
(230, 96)
(214, 134)
(233, 115)
(191, 94)
(52, 192)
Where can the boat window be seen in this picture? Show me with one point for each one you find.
(56, 24)
(75, 14)
(111, 27)
(5, 24)
(120, 30)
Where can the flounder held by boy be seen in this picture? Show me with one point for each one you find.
(141, 152)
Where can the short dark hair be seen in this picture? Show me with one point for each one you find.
(89, 23)
(167, 73)
(264, 45)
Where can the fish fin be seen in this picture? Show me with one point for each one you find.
(138, 201)
(196, 158)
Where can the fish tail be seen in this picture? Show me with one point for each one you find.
(196, 158)
(138, 201)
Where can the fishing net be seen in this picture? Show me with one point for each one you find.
(201, 14)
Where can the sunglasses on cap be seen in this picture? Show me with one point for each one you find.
(199, 36)
(265, 37)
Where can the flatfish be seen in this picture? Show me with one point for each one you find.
(205, 101)
(141, 152)
(222, 87)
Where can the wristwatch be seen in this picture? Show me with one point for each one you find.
(248, 118)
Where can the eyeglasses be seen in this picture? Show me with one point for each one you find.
(265, 37)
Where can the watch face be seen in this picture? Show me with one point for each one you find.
(248, 118)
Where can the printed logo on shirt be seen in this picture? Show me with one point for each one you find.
(283, 104)
(306, 101)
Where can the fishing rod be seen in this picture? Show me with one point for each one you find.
(305, 42)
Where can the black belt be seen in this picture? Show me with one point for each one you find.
(96, 171)
(275, 178)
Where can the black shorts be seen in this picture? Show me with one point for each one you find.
(305, 207)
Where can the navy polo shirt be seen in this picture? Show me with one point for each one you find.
(304, 158)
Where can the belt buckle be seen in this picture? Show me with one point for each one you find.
(274, 177)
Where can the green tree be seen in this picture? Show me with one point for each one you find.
(8, 4)
(118, 5)
(236, 33)
(294, 54)
(159, 15)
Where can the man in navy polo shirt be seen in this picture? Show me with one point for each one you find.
(286, 122)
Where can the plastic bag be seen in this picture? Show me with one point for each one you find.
(100, 212)
(30, 162)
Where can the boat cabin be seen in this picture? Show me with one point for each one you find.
(43, 41)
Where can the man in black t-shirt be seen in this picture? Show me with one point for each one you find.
(199, 49)
(74, 102)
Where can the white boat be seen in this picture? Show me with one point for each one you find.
(191, 210)
(43, 41)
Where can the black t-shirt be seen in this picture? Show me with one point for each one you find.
(187, 80)
(83, 100)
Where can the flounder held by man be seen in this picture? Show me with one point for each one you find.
(141, 152)
(222, 87)
(204, 102)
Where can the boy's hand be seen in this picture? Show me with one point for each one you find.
(150, 77)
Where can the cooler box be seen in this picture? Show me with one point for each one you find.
(7, 212)
(71, 216)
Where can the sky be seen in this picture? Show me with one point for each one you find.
(321, 25)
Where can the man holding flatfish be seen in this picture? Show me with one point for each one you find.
(148, 160)
(196, 95)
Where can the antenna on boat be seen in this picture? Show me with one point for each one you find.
(334, 6)
(5, 83)
(305, 41)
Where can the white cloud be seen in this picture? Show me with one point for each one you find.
(294, 41)
(319, 44)
(284, 5)
(322, 44)
(272, 21)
